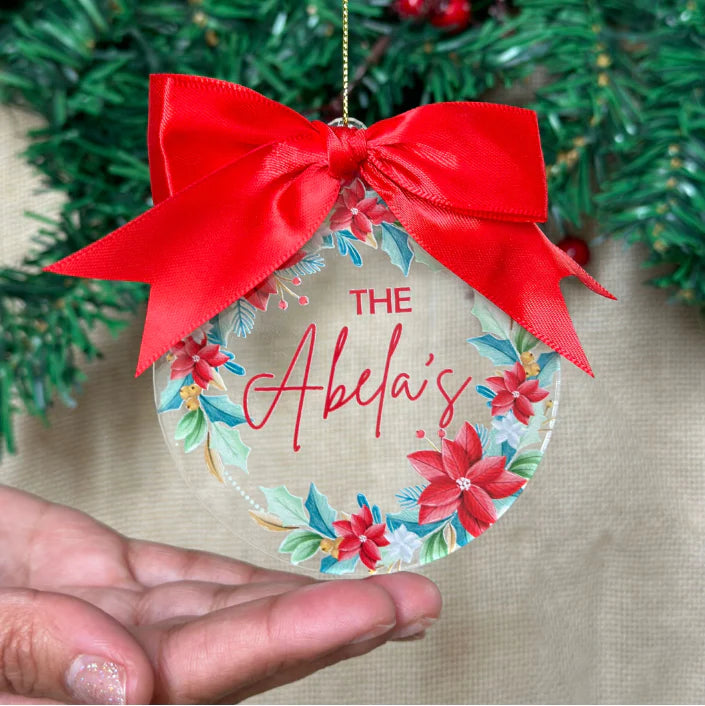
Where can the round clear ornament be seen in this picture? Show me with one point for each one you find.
(362, 409)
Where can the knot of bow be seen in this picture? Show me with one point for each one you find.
(241, 182)
(347, 150)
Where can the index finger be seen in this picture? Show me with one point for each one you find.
(229, 651)
(153, 564)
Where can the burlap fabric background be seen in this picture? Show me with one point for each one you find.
(589, 590)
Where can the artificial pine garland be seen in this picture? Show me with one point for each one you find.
(622, 116)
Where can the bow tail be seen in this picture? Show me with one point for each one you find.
(513, 264)
(208, 245)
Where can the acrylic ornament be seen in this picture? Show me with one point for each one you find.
(323, 360)
(361, 409)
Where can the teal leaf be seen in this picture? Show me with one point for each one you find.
(344, 239)
(409, 517)
(219, 330)
(501, 505)
(525, 464)
(321, 514)
(549, 364)
(192, 428)
(395, 242)
(301, 544)
(409, 497)
(233, 367)
(243, 318)
(227, 442)
(170, 397)
(287, 507)
(219, 408)
(499, 351)
(486, 392)
(330, 565)
(433, 548)
(308, 265)
(362, 501)
(524, 341)
(493, 447)
(492, 319)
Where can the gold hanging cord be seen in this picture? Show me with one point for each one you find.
(345, 63)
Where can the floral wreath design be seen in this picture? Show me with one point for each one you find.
(468, 481)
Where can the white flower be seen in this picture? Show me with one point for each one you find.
(508, 429)
(402, 545)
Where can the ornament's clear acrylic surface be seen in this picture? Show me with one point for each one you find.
(363, 409)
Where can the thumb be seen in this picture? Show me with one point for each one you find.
(59, 647)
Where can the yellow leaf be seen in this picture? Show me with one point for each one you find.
(371, 240)
(451, 538)
(217, 381)
(213, 460)
(270, 524)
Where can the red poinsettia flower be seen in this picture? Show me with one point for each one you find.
(259, 296)
(356, 213)
(515, 393)
(462, 481)
(198, 359)
(361, 536)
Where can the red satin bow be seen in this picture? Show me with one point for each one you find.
(241, 182)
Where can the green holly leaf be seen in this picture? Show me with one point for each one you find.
(227, 442)
(424, 258)
(434, 547)
(192, 428)
(301, 544)
(532, 434)
(492, 319)
(287, 507)
(524, 341)
(525, 464)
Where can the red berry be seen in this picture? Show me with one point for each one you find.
(453, 15)
(420, 433)
(296, 281)
(576, 248)
(303, 300)
(282, 304)
(412, 9)
(441, 433)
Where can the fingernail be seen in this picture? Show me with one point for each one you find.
(413, 629)
(375, 632)
(94, 680)
(411, 638)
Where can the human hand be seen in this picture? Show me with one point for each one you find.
(87, 615)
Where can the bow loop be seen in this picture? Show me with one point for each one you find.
(346, 151)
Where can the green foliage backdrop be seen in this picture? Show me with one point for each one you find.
(622, 117)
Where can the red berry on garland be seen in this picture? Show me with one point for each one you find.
(453, 15)
(576, 248)
(412, 9)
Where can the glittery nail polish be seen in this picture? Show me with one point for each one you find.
(94, 680)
